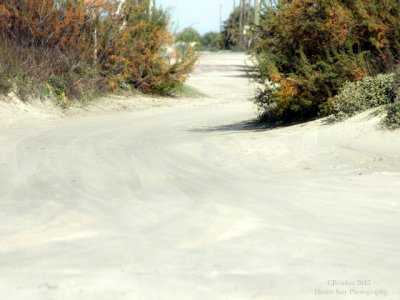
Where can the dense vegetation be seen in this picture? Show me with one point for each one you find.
(370, 92)
(188, 35)
(210, 41)
(306, 50)
(392, 119)
(237, 36)
(70, 48)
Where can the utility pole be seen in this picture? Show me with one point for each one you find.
(220, 17)
(246, 12)
(241, 15)
(257, 12)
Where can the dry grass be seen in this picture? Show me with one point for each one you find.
(33, 72)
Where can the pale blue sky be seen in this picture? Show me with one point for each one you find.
(202, 15)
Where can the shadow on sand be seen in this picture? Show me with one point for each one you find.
(248, 125)
(257, 125)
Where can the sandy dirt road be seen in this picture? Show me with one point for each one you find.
(195, 202)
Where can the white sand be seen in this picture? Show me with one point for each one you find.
(190, 201)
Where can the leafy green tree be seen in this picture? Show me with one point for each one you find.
(212, 41)
(188, 35)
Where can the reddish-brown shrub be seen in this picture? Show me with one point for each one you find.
(123, 40)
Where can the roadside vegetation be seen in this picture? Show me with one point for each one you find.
(189, 35)
(72, 50)
(382, 90)
(236, 32)
(37, 72)
(319, 58)
(210, 41)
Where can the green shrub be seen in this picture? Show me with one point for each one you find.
(392, 119)
(306, 50)
(370, 92)
(267, 106)
(58, 85)
(367, 93)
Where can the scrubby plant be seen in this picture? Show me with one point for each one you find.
(120, 41)
(9, 68)
(365, 94)
(392, 119)
(58, 85)
(306, 50)
(40, 71)
(370, 92)
(132, 51)
(67, 25)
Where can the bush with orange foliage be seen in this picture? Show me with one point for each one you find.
(305, 50)
(124, 41)
(132, 47)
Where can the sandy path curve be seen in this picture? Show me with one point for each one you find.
(194, 202)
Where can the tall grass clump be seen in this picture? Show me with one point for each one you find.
(37, 72)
